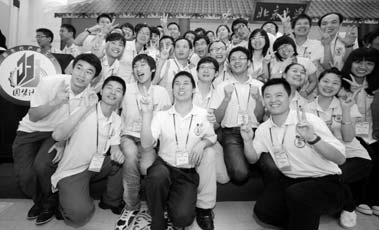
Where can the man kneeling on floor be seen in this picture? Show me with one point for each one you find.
(306, 153)
(92, 152)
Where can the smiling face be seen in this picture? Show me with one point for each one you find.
(201, 47)
(103, 21)
(270, 28)
(207, 72)
(362, 68)
(142, 71)
(242, 30)
(238, 62)
(114, 48)
(182, 49)
(112, 93)
(296, 75)
(286, 51)
(258, 41)
(218, 51)
(222, 33)
(143, 36)
(173, 30)
(128, 33)
(330, 24)
(302, 27)
(276, 99)
(183, 88)
(329, 85)
(82, 74)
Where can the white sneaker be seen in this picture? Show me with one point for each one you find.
(375, 210)
(365, 209)
(126, 219)
(348, 219)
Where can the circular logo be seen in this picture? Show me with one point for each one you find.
(21, 69)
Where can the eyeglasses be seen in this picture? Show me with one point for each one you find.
(240, 26)
(40, 36)
(204, 67)
(217, 49)
(238, 59)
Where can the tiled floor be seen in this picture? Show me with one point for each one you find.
(228, 216)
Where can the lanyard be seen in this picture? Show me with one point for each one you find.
(223, 76)
(305, 51)
(176, 135)
(331, 116)
(284, 135)
(238, 100)
(98, 133)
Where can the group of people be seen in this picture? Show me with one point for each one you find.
(185, 111)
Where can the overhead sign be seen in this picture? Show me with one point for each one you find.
(21, 69)
(268, 11)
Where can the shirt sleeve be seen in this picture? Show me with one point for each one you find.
(209, 132)
(41, 95)
(116, 133)
(164, 100)
(217, 97)
(156, 126)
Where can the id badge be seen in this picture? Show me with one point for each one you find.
(96, 162)
(242, 118)
(362, 128)
(281, 158)
(181, 157)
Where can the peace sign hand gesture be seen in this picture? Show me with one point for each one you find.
(164, 19)
(326, 39)
(146, 101)
(349, 100)
(109, 27)
(303, 127)
(286, 22)
(350, 37)
(270, 56)
(353, 85)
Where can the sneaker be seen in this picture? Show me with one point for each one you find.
(365, 209)
(204, 218)
(348, 219)
(169, 225)
(115, 209)
(142, 220)
(34, 212)
(126, 219)
(375, 210)
(45, 216)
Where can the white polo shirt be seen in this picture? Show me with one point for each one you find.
(169, 69)
(311, 49)
(334, 115)
(240, 101)
(45, 92)
(223, 75)
(305, 161)
(131, 112)
(81, 146)
(162, 128)
(298, 101)
(201, 101)
(106, 71)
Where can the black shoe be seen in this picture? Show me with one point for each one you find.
(45, 216)
(34, 211)
(116, 210)
(204, 218)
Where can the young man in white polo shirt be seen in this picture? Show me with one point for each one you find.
(144, 71)
(92, 152)
(237, 101)
(306, 153)
(55, 99)
(185, 134)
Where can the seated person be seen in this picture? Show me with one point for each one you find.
(91, 153)
(184, 134)
(306, 153)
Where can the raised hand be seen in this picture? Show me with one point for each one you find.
(350, 37)
(353, 85)
(325, 39)
(109, 27)
(286, 21)
(226, 15)
(349, 101)
(270, 56)
(164, 19)
(165, 53)
(254, 92)
(303, 127)
(146, 101)
(91, 99)
(228, 90)
(63, 94)
(247, 132)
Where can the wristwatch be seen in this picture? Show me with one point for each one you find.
(87, 30)
(318, 138)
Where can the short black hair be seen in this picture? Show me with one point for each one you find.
(128, 25)
(277, 81)
(70, 28)
(208, 59)
(283, 40)
(241, 49)
(340, 17)
(210, 31)
(150, 61)
(91, 59)
(271, 22)
(103, 16)
(115, 37)
(189, 32)
(331, 70)
(184, 73)
(199, 37)
(154, 30)
(173, 23)
(372, 35)
(200, 31)
(213, 42)
(139, 27)
(116, 79)
(47, 33)
(301, 16)
(288, 67)
(167, 37)
(267, 41)
(181, 38)
(238, 21)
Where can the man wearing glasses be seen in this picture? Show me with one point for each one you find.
(44, 39)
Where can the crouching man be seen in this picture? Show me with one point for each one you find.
(91, 153)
